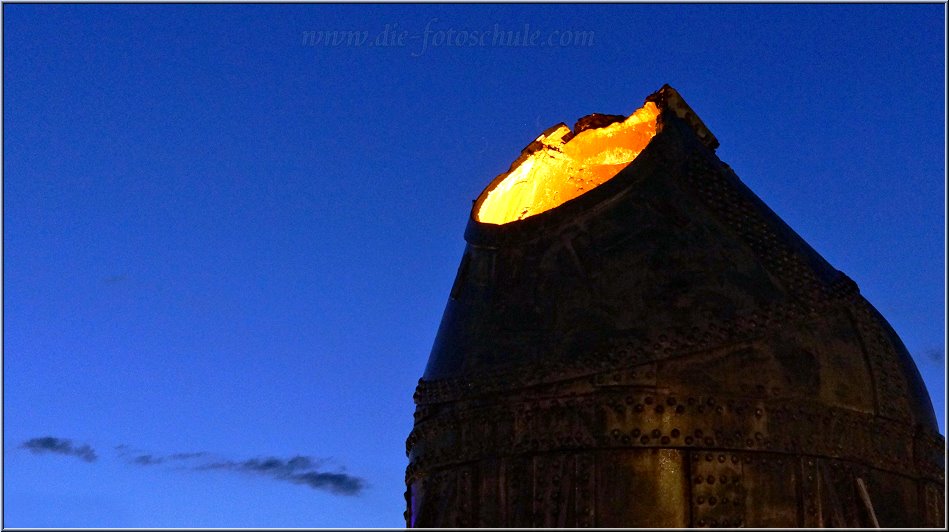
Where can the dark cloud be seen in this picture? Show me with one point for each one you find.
(186, 456)
(269, 466)
(49, 444)
(143, 459)
(114, 280)
(147, 459)
(339, 483)
(936, 355)
(301, 470)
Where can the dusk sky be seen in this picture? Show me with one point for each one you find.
(228, 239)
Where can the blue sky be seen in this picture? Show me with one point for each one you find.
(224, 244)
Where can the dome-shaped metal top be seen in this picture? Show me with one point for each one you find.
(673, 310)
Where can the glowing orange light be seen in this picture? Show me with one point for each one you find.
(559, 166)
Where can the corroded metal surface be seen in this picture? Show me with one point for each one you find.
(664, 351)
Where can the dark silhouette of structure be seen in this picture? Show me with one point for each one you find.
(662, 350)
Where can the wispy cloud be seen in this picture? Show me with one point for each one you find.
(936, 355)
(49, 444)
(147, 459)
(270, 466)
(186, 456)
(303, 470)
(113, 280)
(335, 482)
(139, 457)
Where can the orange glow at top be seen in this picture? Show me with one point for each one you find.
(560, 166)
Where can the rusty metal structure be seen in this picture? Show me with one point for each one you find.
(664, 351)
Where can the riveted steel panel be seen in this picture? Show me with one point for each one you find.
(771, 483)
(718, 490)
(642, 486)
